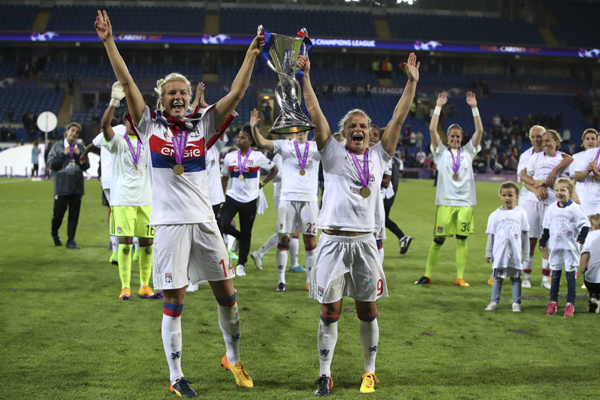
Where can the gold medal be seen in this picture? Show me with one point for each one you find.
(136, 167)
(365, 192)
(302, 172)
(178, 169)
(455, 177)
(241, 177)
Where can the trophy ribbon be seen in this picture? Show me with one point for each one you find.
(135, 155)
(302, 159)
(179, 144)
(242, 164)
(363, 172)
(455, 163)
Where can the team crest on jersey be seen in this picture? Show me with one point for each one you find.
(440, 229)
(119, 230)
(320, 291)
(194, 134)
(371, 178)
(168, 277)
(516, 235)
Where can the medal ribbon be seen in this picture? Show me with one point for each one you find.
(242, 166)
(134, 155)
(455, 162)
(302, 159)
(179, 143)
(363, 172)
(72, 152)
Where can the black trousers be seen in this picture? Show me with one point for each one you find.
(247, 214)
(389, 224)
(217, 211)
(593, 289)
(61, 203)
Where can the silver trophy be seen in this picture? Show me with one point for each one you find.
(283, 55)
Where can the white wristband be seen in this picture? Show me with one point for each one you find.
(437, 111)
(475, 111)
(114, 103)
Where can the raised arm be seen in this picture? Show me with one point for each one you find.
(135, 101)
(199, 99)
(392, 132)
(107, 130)
(258, 137)
(435, 119)
(91, 148)
(322, 131)
(472, 101)
(227, 104)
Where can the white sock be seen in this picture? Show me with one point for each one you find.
(269, 244)
(282, 259)
(114, 241)
(326, 339)
(229, 322)
(528, 266)
(381, 253)
(369, 338)
(172, 342)
(309, 259)
(136, 243)
(230, 240)
(545, 266)
(293, 251)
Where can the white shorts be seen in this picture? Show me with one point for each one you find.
(191, 252)
(276, 194)
(301, 214)
(535, 211)
(567, 258)
(347, 266)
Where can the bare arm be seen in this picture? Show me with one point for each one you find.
(227, 104)
(566, 161)
(322, 131)
(91, 148)
(476, 138)
(583, 262)
(224, 182)
(258, 137)
(272, 174)
(107, 130)
(135, 101)
(392, 132)
(435, 120)
(385, 181)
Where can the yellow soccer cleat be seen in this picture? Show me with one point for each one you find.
(491, 281)
(146, 291)
(368, 382)
(307, 287)
(241, 376)
(461, 282)
(125, 293)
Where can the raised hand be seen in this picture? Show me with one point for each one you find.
(103, 26)
(199, 98)
(254, 120)
(82, 159)
(257, 45)
(442, 99)
(412, 67)
(471, 100)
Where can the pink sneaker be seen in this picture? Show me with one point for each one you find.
(551, 308)
(569, 310)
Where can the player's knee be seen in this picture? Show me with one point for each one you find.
(439, 240)
(284, 238)
(461, 237)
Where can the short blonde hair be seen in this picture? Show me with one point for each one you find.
(339, 136)
(589, 130)
(595, 220)
(455, 126)
(344, 121)
(161, 87)
(534, 128)
(555, 134)
(568, 182)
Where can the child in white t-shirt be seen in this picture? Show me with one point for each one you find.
(565, 228)
(507, 245)
(590, 264)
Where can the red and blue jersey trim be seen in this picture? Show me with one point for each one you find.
(249, 172)
(163, 155)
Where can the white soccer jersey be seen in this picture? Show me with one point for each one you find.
(589, 190)
(592, 246)
(213, 168)
(565, 224)
(523, 161)
(106, 159)
(177, 199)
(343, 207)
(507, 226)
(540, 166)
(245, 190)
(296, 187)
(278, 161)
(455, 192)
(130, 185)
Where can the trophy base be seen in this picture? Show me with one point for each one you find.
(290, 129)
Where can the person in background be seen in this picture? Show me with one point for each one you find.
(35, 157)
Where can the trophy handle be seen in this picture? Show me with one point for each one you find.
(296, 69)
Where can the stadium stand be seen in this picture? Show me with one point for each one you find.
(17, 17)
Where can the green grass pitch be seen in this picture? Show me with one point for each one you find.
(65, 335)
